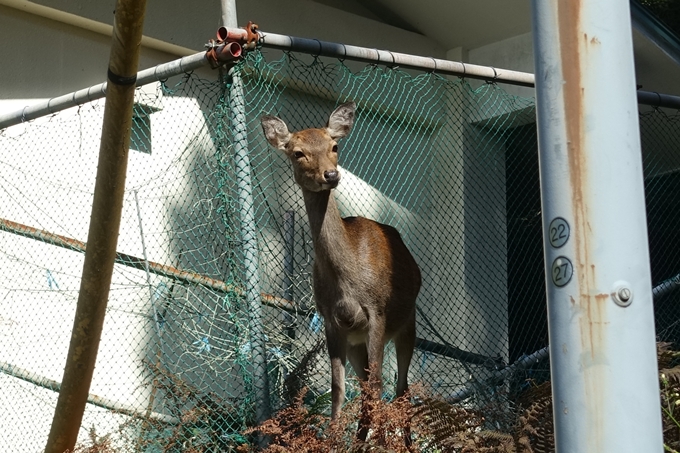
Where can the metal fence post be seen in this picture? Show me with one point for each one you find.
(248, 230)
(600, 315)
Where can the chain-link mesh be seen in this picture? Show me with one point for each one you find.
(203, 337)
(660, 137)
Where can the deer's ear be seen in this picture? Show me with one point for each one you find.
(341, 120)
(276, 131)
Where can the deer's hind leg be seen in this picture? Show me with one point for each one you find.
(358, 358)
(404, 343)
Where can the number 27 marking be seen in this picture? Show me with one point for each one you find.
(562, 271)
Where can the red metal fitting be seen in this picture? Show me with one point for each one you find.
(230, 34)
(247, 36)
(220, 53)
(228, 45)
(252, 35)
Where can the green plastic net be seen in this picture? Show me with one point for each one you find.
(211, 324)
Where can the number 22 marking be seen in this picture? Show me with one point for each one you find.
(558, 232)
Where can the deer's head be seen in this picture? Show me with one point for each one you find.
(313, 152)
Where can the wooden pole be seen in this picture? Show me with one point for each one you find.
(104, 226)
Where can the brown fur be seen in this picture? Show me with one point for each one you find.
(365, 279)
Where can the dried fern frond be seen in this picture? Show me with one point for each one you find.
(98, 444)
(298, 428)
(533, 394)
(443, 423)
(293, 429)
(672, 375)
(535, 432)
(440, 426)
(667, 356)
(451, 427)
(495, 436)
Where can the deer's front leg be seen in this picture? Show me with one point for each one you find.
(337, 351)
(376, 348)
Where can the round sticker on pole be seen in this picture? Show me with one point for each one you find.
(561, 271)
(559, 232)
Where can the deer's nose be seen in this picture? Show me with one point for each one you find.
(331, 176)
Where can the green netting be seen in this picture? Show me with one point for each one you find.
(202, 337)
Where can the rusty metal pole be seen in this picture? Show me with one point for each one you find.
(600, 313)
(104, 226)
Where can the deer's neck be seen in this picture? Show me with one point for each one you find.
(328, 231)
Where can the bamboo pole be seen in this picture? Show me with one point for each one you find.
(100, 401)
(285, 303)
(104, 226)
(164, 270)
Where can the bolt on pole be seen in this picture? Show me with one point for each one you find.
(600, 313)
(102, 237)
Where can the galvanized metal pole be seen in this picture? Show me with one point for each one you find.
(80, 97)
(102, 237)
(600, 316)
(248, 230)
(229, 15)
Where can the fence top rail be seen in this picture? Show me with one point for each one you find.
(312, 47)
(85, 95)
(395, 59)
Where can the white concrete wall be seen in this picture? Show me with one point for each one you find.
(48, 171)
(514, 53)
(654, 71)
(44, 58)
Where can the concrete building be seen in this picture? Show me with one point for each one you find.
(53, 47)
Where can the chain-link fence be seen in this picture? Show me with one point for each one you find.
(660, 135)
(188, 358)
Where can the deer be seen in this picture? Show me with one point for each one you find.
(365, 280)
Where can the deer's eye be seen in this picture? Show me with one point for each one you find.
(298, 154)
(335, 148)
